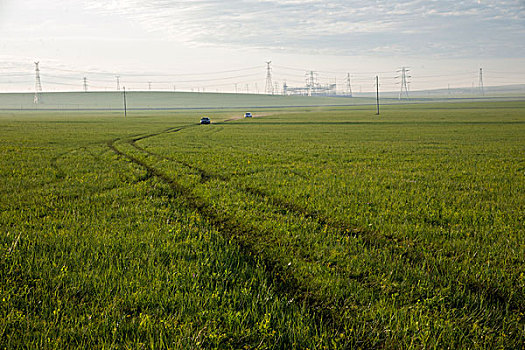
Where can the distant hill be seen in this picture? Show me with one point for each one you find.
(458, 93)
(164, 100)
(152, 100)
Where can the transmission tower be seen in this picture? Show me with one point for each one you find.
(38, 84)
(85, 85)
(481, 89)
(348, 85)
(118, 82)
(404, 82)
(269, 85)
(311, 82)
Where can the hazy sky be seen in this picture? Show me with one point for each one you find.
(213, 45)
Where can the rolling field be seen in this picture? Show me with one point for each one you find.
(142, 100)
(320, 228)
(158, 100)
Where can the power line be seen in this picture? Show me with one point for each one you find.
(329, 72)
(190, 74)
(191, 81)
(50, 82)
(283, 73)
(155, 74)
(15, 74)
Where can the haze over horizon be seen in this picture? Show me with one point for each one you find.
(209, 45)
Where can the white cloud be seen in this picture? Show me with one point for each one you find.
(184, 36)
(332, 26)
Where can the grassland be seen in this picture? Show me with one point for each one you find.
(155, 100)
(304, 228)
(142, 100)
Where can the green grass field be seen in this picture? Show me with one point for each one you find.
(156, 100)
(319, 228)
(142, 100)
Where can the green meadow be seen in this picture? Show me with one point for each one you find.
(310, 227)
(146, 100)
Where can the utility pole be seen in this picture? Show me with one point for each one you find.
(377, 94)
(481, 89)
(38, 84)
(269, 85)
(149, 85)
(348, 85)
(118, 82)
(404, 82)
(85, 85)
(125, 104)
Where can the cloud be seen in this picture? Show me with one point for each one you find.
(415, 27)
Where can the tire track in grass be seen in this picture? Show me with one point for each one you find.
(369, 236)
(325, 310)
(285, 207)
(289, 285)
(284, 281)
(60, 174)
(410, 252)
(282, 206)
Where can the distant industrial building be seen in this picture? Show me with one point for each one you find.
(312, 87)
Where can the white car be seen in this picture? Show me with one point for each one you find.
(247, 115)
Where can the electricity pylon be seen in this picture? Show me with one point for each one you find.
(269, 86)
(38, 84)
(348, 85)
(404, 82)
(85, 85)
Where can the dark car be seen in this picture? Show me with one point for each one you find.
(247, 115)
(205, 120)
